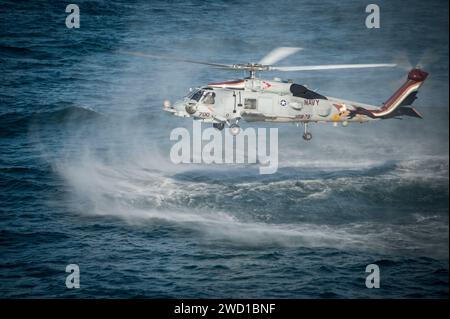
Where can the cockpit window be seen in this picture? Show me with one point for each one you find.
(209, 98)
(196, 95)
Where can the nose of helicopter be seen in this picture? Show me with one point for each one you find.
(178, 106)
(182, 107)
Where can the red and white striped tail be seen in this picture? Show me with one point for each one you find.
(407, 92)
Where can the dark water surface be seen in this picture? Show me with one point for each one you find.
(86, 178)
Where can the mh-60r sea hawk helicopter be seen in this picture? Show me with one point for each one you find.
(254, 99)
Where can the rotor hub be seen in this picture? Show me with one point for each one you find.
(251, 67)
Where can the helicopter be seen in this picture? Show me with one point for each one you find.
(255, 99)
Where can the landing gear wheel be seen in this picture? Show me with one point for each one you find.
(219, 126)
(307, 136)
(234, 129)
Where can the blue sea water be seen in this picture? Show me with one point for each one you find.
(86, 179)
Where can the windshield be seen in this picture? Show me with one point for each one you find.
(196, 95)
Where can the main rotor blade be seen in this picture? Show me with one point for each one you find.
(151, 56)
(331, 67)
(278, 54)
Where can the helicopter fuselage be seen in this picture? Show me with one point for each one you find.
(266, 101)
(259, 100)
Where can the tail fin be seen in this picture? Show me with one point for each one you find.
(405, 95)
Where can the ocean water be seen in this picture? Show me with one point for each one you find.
(86, 177)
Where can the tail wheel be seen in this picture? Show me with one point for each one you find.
(307, 136)
(234, 129)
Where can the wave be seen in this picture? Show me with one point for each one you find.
(21, 53)
(379, 209)
(14, 50)
(12, 124)
(226, 229)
